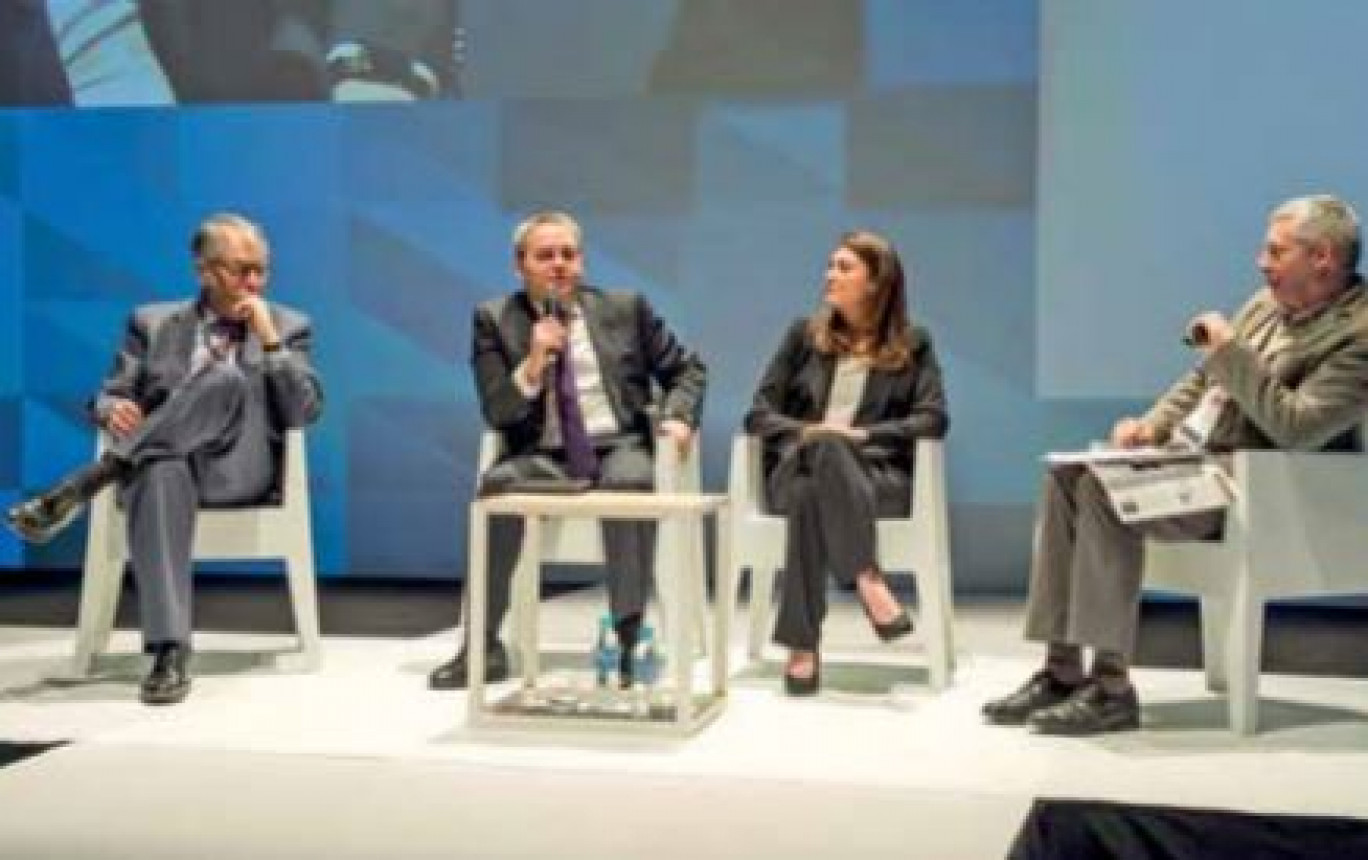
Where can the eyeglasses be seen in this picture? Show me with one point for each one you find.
(241, 268)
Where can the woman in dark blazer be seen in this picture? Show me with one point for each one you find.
(837, 411)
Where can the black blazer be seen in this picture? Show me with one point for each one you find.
(895, 408)
(634, 348)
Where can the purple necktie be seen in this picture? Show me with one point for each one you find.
(579, 451)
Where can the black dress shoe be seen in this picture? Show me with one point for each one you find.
(454, 673)
(1089, 711)
(900, 626)
(168, 682)
(1041, 691)
(39, 519)
(887, 631)
(798, 686)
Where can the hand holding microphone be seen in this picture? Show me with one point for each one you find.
(549, 336)
(1208, 331)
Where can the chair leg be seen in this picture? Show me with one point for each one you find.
(99, 603)
(947, 596)
(299, 571)
(761, 605)
(1216, 625)
(936, 619)
(1244, 647)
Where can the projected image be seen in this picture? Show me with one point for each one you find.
(155, 52)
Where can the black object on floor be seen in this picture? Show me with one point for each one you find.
(11, 752)
(1073, 829)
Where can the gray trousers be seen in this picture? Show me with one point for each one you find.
(832, 497)
(628, 545)
(207, 445)
(1085, 573)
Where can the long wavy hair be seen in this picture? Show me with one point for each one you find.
(892, 330)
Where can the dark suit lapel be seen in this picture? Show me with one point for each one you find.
(182, 329)
(874, 399)
(823, 371)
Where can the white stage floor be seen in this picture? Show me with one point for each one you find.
(360, 759)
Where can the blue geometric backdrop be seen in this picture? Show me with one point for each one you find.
(720, 198)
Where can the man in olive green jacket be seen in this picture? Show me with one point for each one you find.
(1289, 372)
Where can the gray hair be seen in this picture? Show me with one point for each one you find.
(211, 230)
(542, 219)
(1324, 218)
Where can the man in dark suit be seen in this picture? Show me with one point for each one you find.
(196, 403)
(564, 373)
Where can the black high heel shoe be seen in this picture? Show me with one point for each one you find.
(795, 686)
(900, 626)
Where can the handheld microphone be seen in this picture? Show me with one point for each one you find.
(552, 306)
(1196, 334)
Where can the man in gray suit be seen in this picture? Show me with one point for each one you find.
(564, 373)
(1290, 371)
(196, 403)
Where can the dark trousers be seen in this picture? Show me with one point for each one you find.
(208, 444)
(832, 497)
(628, 545)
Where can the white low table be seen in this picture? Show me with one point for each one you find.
(687, 511)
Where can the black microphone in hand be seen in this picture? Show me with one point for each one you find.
(1196, 334)
(553, 307)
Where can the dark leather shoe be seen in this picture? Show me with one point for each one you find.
(796, 686)
(453, 674)
(39, 519)
(898, 627)
(1089, 711)
(1041, 691)
(168, 682)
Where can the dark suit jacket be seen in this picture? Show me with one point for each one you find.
(895, 408)
(634, 348)
(159, 345)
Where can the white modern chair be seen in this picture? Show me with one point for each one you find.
(1298, 527)
(268, 532)
(580, 541)
(918, 544)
